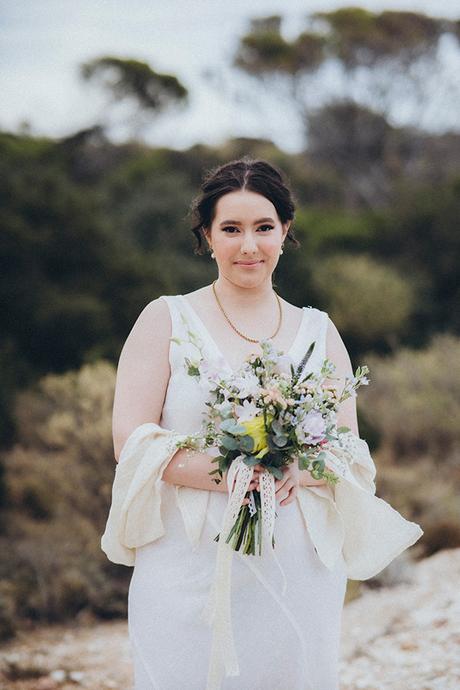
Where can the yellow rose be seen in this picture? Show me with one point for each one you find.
(255, 428)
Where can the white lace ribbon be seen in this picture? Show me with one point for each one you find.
(217, 611)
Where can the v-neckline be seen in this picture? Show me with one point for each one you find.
(217, 349)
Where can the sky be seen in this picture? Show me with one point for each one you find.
(43, 42)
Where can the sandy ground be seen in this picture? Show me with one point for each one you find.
(403, 637)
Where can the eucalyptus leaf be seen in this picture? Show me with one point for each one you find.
(277, 427)
(280, 440)
(230, 443)
(250, 460)
(246, 443)
(231, 427)
(276, 472)
(227, 424)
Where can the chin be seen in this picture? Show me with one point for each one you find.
(251, 280)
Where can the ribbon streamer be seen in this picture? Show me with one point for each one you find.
(217, 611)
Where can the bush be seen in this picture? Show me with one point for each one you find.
(425, 493)
(369, 302)
(58, 481)
(413, 401)
(7, 611)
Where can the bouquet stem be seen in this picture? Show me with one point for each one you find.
(246, 533)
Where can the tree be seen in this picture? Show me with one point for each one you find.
(379, 61)
(136, 82)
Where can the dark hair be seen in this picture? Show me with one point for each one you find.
(247, 174)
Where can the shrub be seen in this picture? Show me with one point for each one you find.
(368, 301)
(58, 481)
(413, 400)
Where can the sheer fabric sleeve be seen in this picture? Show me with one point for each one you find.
(350, 518)
(135, 513)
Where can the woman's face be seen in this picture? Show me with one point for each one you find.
(246, 236)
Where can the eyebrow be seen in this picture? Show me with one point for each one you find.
(256, 222)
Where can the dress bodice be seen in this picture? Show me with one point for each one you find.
(184, 401)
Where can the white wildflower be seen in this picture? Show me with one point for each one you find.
(246, 384)
(246, 411)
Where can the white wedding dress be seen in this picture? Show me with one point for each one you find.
(288, 642)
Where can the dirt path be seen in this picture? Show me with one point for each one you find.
(96, 657)
(406, 637)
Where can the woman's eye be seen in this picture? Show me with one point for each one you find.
(232, 227)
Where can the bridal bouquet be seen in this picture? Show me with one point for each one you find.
(270, 413)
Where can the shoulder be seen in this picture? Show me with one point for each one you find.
(154, 322)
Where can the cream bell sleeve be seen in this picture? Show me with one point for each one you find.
(350, 518)
(135, 513)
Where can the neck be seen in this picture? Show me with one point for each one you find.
(240, 297)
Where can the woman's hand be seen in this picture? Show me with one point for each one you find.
(254, 483)
(285, 489)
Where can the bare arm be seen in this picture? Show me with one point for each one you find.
(142, 379)
(338, 354)
(346, 415)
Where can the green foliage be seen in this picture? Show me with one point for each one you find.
(357, 36)
(327, 230)
(7, 608)
(58, 480)
(414, 400)
(132, 78)
(426, 492)
(368, 301)
(69, 286)
(353, 35)
(419, 234)
(264, 52)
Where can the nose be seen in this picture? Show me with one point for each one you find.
(248, 244)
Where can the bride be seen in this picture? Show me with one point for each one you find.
(166, 508)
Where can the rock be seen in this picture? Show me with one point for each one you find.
(58, 675)
(76, 676)
(46, 683)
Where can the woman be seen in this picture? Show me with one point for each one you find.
(243, 214)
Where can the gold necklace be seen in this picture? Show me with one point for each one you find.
(251, 340)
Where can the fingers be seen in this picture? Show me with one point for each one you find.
(285, 490)
(291, 497)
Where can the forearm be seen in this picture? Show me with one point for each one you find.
(191, 468)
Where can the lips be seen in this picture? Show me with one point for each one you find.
(248, 263)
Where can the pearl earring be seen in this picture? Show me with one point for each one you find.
(281, 248)
(213, 256)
